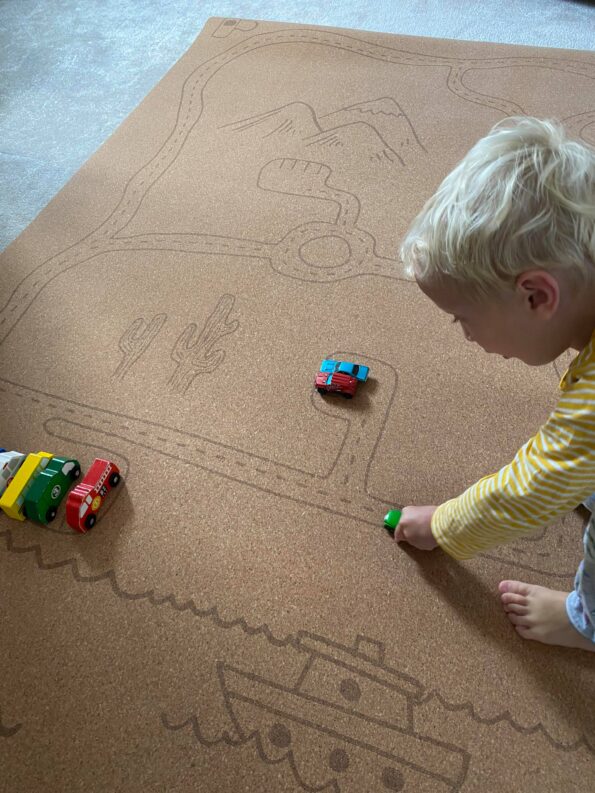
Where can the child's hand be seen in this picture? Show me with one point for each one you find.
(414, 528)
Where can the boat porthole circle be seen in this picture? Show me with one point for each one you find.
(338, 760)
(392, 779)
(279, 735)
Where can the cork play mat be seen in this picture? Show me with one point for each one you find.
(238, 619)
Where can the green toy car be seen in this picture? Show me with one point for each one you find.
(391, 520)
(49, 488)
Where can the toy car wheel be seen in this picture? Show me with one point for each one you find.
(114, 480)
(50, 514)
(321, 390)
(75, 473)
(348, 396)
(90, 521)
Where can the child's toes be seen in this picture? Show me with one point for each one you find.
(516, 608)
(523, 631)
(520, 620)
(508, 598)
(514, 587)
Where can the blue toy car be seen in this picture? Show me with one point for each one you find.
(345, 367)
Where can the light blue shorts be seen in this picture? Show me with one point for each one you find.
(580, 604)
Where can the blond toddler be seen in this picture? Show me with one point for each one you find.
(506, 246)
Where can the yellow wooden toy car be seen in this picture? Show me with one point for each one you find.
(13, 498)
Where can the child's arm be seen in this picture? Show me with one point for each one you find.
(549, 476)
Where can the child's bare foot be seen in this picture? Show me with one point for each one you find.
(540, 614)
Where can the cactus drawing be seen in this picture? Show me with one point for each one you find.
(135, 340)
(195, 354)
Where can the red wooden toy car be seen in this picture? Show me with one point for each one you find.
(87, 496)
(337, 382)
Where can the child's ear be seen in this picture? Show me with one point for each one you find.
(540, 291)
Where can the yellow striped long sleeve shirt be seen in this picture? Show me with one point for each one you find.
(549, 476)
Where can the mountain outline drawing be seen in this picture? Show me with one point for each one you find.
(378, 130)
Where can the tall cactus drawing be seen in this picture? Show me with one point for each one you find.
(195, 356)
(135, 340)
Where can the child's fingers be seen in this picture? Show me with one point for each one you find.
(400, 534)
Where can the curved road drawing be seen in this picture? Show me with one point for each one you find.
(106, 236)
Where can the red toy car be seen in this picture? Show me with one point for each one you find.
(87, 496)
(337, 382)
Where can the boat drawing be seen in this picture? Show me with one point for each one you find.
(346, 724)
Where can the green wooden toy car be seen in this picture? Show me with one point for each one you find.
(391, 520)
(45, 494)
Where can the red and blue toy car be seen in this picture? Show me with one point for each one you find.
(340, 377)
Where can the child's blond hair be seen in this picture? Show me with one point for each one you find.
(523, 197)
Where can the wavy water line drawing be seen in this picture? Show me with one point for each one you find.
(366, 657)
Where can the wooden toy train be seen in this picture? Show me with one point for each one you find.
(33, 485)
